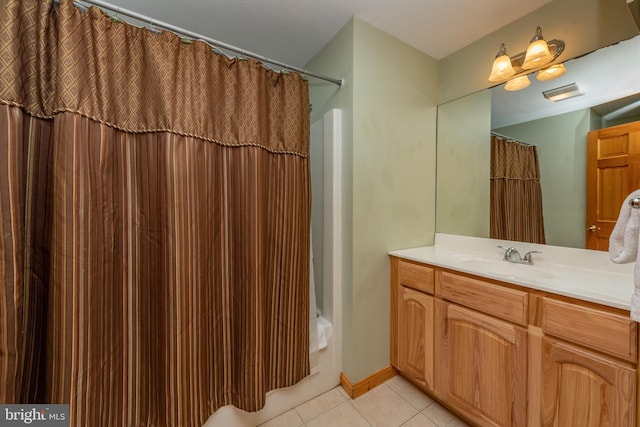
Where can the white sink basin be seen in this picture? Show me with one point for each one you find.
(506, 269)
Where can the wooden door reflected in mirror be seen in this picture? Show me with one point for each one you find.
(613, 171)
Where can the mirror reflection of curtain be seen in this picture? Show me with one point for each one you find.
(516, 195)
(154, 221)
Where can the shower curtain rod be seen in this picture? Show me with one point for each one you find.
(180, 31)
(513, 139)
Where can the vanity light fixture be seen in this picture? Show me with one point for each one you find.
(563, 92)
(517, 83)
(552, 72)
(538, 54)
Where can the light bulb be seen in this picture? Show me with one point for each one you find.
(517, 83)
(537, 53)
(552, 72)
(502, 68)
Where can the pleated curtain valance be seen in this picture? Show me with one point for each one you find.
(62, 59)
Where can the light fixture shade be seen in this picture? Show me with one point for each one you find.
(502, 68)
(537, 53)
(552, 72)
(517, 83)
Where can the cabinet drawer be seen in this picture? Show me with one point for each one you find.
(416, 276)
(596, 329)
(502, 302)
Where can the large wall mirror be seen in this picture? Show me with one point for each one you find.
(609, 81)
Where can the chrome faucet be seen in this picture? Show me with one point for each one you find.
(511, 254)
(527, 257)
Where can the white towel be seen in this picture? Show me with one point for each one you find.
(623, 242)
(635, 297)
(623, 246)
(322, 335)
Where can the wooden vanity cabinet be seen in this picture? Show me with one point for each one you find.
(481, 365)
(415, 336)
(412, 319)
(581, 388)
(588, 364)
(503, 355)
(481, 355)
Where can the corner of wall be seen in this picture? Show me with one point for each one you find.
(336, 59)
(394, 139)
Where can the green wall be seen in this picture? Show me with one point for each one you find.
(463, 187)
(389, 171)
(562, 153)
(620, 121)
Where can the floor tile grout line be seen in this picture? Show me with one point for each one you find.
(360, 412)
(402, 398)
(304, 423)
(406, 401)
(421, 411)
(322, 413)
(410, 404)
(416, 415)
(364, 417)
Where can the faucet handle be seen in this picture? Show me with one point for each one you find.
(528, 259)
(507, 252)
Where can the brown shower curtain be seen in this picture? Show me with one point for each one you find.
(516, 196)
(154, 221)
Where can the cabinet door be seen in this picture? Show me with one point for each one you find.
(415, 336)
(482, 366)
(584, 389)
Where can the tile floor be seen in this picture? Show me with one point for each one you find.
(392, 404)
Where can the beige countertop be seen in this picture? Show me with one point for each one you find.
(578, 273)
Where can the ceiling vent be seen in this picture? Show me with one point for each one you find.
(563, 92)
(634, 8)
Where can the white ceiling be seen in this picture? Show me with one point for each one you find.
(294, 31)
